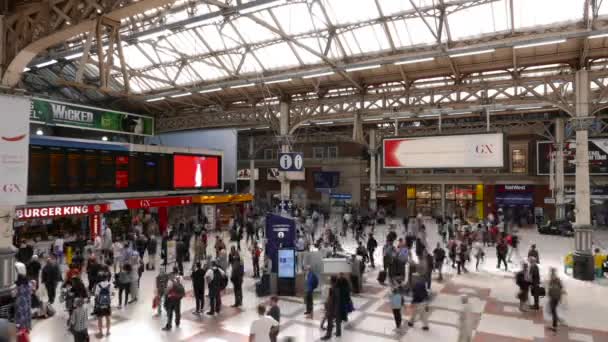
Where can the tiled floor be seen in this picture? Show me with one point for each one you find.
(492, 292)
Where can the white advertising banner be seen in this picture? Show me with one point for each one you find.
(14, 140)
(245, 174)
(451, 151)
(274, 174)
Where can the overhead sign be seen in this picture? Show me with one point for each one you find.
(85, 117)
(58, 211)
(450, 151)
(598, 157)
(142, 203)
(274, 173)
(341, 196)
(326, 180)
(14, 140)
(245, 174)
(292, 161)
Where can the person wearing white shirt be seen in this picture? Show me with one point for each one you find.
(263, 326)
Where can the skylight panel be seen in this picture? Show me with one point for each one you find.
(277, 56)
(410, 32)
(294, 19)
(250, 65)
(349, 11)
(544, 12)
(207, 70)
(488, 18)
(251, 31)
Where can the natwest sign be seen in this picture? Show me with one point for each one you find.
(66, 210)
(157, 202)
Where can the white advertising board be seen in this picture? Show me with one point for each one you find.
(450, 151)
(273, 173)
(14, 140)
(245, 174)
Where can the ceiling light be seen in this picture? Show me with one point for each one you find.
(47, 63)
(367, 67)
(39, 131)
(104, 138)
(156, 99)
(155, 35)
(427, 115)
(459, 113)
(419, 60)
(26, 69)
(470, 53)
(263, 127)
(325, 123)
(373, 119)
(256, 8)
(73, 56)
(319, 75)
(558, 41)
(209, 90)
(305, 124)
(201, 22)
(416, 123)
(242, 85)
(601, 35)
(181, 95)
(527, 108)
(278, 81)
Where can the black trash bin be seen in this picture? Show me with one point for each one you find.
(583, 268)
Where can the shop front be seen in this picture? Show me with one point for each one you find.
(449, 200)
(150, 215)
(221, 209)
(44, 223)
(516, 202)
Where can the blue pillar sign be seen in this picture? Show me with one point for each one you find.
(292, 161)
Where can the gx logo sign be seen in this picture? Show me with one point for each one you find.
(11, 188)
(484, 149)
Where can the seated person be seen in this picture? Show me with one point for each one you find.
(599, 260)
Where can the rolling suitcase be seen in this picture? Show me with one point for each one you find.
(382, 277)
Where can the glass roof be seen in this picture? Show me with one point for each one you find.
(309, 33)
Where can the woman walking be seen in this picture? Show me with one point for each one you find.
(23, 300)
(555, 293)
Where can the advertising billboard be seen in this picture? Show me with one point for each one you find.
(85, 117)
(14, 139)
(197, 172)
(273, 173)
(449, 151)
(287, 263)
(598, 157)
(326, 179)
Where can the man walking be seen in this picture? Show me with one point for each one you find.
(420, 297)
(535, 283)
(51, 276)
(372, 244)
(310, 284)
(198, 287)
(439, 255)
(501, 254)
(236, 277)
(173, 303)
(215, 278)
(263, 327)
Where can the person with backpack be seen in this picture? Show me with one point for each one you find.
(310, 284)
(439, 256)
(173, 304)
(103, 302)
(555, 293)
(420, 297)
(217, 280)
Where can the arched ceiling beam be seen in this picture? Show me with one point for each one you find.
(15, 69)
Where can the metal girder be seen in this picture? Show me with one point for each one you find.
(36, 27)
(414, 102)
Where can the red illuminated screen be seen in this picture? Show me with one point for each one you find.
(191, 172)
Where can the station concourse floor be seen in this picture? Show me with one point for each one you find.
(492, 293)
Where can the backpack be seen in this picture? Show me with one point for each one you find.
(520, 278)
(403, 255)
(315, 281)
(177, 291)
(555, 289)
(219, 280)
(103, 301)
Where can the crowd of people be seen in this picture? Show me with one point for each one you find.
(110, 266)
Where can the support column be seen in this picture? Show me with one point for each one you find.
(373, 205)
(358, 129)
(487, 119)
(443, 201)
(284, 131)
(7, 252)
(252, 167)
(440, 123)
(560, 206)
(583, 268)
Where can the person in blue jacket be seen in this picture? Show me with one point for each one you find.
(310, 284)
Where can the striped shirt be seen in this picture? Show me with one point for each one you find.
(79, 319)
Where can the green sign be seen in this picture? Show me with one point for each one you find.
(84, 117)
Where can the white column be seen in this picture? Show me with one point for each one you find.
(7, 251)
(560, 209)
(284, 131)
(443, 201)
(372, 170)
(487, 119)
(252, 166)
